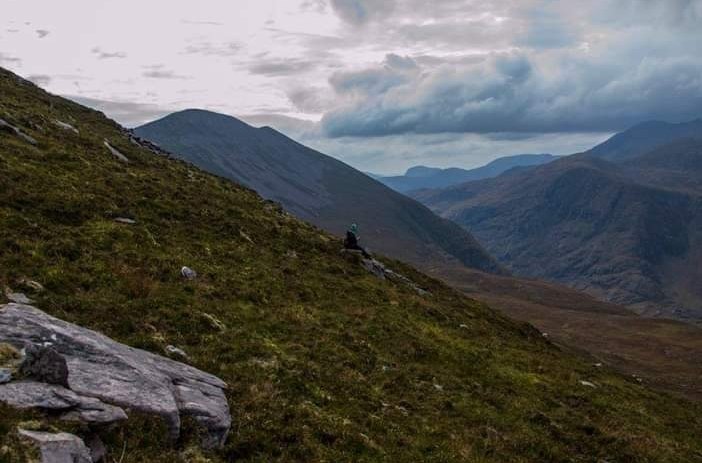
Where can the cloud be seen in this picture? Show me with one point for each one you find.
(282, 67)
(41, 33)
(5, 58)
(211, 49)
(520, 92)
(358, 12)
(202, 23)
(42, 80)
(108, 55)
(310, 99)
(157, 72)
(126, 113)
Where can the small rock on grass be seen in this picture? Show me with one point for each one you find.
(115, 152)
(188, 273)
(125, 220)
(173, 350)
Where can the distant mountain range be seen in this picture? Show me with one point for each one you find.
(622, 221)
(421, 177)
(317, 188)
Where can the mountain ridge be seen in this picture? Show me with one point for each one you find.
(619, 230)
(316, 187)
(422, 177)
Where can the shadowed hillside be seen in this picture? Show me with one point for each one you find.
(626, 232)
(323, 361)
(316, 187)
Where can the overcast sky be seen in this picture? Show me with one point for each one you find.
(380, 84)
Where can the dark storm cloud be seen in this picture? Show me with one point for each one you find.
(108, 55)
(507, 93)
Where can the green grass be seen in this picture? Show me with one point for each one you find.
(324, 362)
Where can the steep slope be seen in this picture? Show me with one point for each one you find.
(316, 188)
(627, 233)
(420, 177)
(324, 362)
(645, 137)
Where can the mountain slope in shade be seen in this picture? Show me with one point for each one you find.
(626, 232)
(323, 361)
(645, 137)
(316, 187)
(421, 177)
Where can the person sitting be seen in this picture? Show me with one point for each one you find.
(352, 239)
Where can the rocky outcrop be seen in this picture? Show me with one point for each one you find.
(58, 447)
(380, 271)
(106, 377)
(6, 126)
(115, 152)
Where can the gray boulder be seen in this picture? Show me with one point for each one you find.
(113, 373)
(19, 298)
(44, 364)
(74, 407)
(58, 448)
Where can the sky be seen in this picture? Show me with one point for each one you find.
(380, 84)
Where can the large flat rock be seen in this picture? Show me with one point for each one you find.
(113, 373)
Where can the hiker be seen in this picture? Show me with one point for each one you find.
(352, 239)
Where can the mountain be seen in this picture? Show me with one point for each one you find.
(322, 360)
(627, 232)
(316, 188)
(421, 177)
(645, 137)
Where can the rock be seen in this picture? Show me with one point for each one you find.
(115, 152)
(6, 126)
(5, 375)
(188, 273)
(66, 126)
(374, 267)
(125, 220)
(245, 236)
(19, 298)
(58, 448)
(379, 270)
(97, 449)
(113, 373)
(45, 364)
(31, 284)
(173, 350)
(33, 394)
(214, 321)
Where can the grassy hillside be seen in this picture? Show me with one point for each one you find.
(324, 362)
